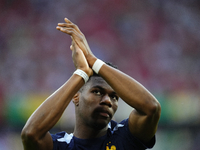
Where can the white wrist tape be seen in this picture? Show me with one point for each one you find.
(97, 65)
(82, 74)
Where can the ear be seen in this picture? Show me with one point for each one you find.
(76, 99)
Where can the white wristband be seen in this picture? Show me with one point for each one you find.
(97, 65)
(82, 74)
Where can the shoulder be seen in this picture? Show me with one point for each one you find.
(121, 130)
(61, 140)
(62, 137)
(114, 126)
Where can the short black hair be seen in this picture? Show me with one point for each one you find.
(96, 75)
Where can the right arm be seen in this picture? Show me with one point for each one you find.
(35, 135)
(143, 120)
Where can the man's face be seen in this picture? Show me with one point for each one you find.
(98, 103)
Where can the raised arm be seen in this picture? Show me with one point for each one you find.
(35, 135)
(143, 120)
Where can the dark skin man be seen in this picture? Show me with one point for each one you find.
(96, 102)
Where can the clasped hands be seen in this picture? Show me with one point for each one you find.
(83, 57)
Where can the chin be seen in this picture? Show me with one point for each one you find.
(100, 125)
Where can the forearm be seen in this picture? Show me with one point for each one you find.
(50, 111)
(131, 91)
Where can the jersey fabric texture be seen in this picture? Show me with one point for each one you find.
(118, 137)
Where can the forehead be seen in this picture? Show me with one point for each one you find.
(98, 81)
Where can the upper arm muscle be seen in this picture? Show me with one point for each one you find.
(143, 126)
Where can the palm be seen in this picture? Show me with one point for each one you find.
(79, 59)
(73, 30)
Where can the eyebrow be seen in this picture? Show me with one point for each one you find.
(103, 89)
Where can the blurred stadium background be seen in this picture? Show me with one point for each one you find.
(155, 41)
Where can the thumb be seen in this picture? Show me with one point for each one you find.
(76, 47)
(73, 47)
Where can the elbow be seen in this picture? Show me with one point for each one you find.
(28, 135)
(29, 139)
(155, 109)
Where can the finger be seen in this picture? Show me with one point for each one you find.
(70, 31)
(61, 28)
(70, 25)
(66, 30)
(58, 28)
(67, 20)
(62, 24)
(65, 24)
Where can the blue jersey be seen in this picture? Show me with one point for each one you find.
(118, 137)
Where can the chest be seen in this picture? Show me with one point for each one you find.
(100, 144)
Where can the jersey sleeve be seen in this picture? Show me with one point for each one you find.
(60, 140)
(133, 140)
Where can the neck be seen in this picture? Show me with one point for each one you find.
(85, 132)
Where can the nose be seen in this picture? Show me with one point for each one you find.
(106, 101)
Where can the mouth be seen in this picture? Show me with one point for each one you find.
(104, 113)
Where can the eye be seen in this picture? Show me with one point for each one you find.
(114, 97)
(97, 92)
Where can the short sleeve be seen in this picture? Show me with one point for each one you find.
(138, 143)
(59, 141)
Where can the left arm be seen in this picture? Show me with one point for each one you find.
(143, 120)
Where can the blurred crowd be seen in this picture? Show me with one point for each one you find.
(156, 41)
